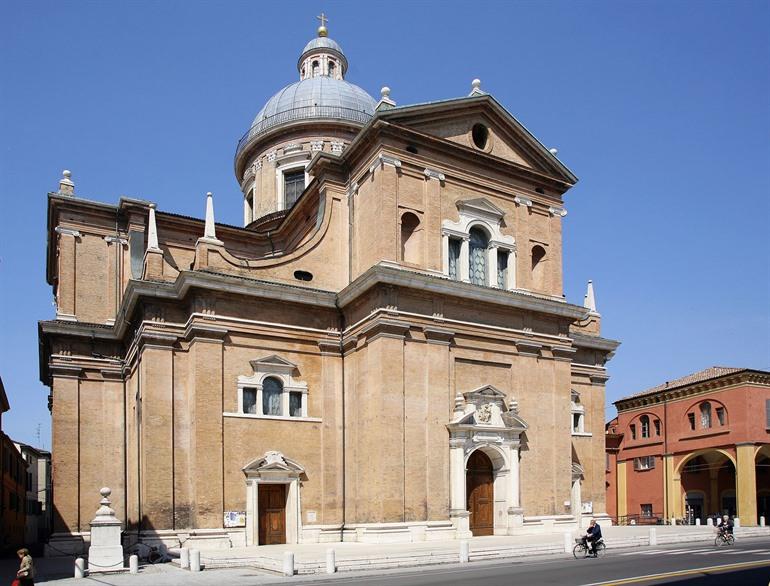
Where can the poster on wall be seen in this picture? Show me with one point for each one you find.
(235, 519)
(588, 507)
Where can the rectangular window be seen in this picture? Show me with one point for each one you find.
(644, 463)
(646, 510)
(633, 431)
(767, 413)
(657, 427)
(576, 423)
(293, 186)
(691, 419)
(250, 401)
(295, 404)
(721, 415)
(454, 259)
(502, 269)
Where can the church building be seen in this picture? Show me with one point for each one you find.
(382, 352)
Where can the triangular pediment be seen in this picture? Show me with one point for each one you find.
(487, 392)
(272, 363)
(482, 207)
(508, 139)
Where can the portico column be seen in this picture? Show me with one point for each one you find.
(492, 263)
(465, 260)
(746, 485)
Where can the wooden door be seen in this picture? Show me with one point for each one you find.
(272, 513)
(480, 494)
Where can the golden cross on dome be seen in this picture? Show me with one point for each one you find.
(324, 19)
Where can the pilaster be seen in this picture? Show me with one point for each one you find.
(622, 488)
(65, 291)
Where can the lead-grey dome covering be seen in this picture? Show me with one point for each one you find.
(319, 97)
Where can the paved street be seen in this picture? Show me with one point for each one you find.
(747, 563)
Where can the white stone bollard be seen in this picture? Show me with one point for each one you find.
(80, 568)
(567, 542)
(697, 522)
(465, 552)
(195, 560)
(133, 564)
(709, 521)
(653, 536)
(762, 521)
(184, 558)
(736, 522)
(331, 562)
(288, 563)
(673, 520)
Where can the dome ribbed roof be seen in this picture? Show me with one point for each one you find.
(319, 97)
(322, 43)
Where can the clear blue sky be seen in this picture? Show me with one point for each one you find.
(662, 108)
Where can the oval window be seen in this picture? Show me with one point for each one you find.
(480, 134)
(303, 276)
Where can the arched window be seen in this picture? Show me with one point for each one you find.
(410, 238)
(645, 424)
(478, 256)
(705, 415)
(332, 66)
(315, 68)
(272, 389)
(538, 266)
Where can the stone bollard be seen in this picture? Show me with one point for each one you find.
(288, 563)
(331, 562)
(184, 558)
(709, 521)
(80, 568)
(465, 552)
(133, 564)
(697, 522)
(653, 536)
(736, 522)
(567, 542)
(673, 520)
(762, 521)
(195, 560)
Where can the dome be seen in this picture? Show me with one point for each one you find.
(323, 43)
(316, 97)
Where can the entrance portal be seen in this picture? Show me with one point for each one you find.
(272, 513)
(480, 494)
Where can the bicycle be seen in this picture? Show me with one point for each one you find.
(724, 538)
(581, 549)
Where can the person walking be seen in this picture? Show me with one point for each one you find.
(26, 573)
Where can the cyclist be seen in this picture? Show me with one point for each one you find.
(725, 525)
(593, 535)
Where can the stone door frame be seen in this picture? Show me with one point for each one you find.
(273, 468)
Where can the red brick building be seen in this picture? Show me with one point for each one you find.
(13, 487)
(691, 448)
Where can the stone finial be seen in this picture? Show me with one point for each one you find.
(386, 102)
(589, 301)
(66, 186)
(554, 151)
(105, 512)
(476, 88)
(513, 406)
(152, 231)
(209, 232)
(459, 403)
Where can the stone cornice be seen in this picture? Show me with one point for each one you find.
(594, 342)
(703, 387)
(443, 286)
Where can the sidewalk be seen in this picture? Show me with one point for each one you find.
(250, 563)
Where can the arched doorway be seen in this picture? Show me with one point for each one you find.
(708, 485)
(763, 483)
(480, 494)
